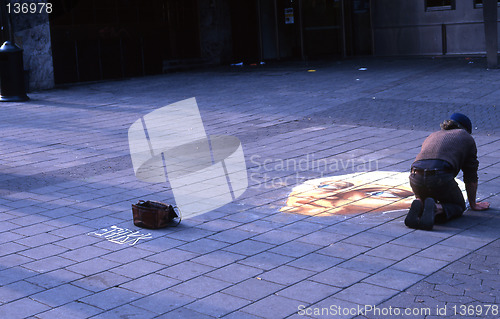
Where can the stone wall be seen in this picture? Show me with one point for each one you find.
(32, 34)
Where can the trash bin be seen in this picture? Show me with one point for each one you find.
(12, 85)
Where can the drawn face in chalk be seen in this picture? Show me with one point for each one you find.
(351, 194)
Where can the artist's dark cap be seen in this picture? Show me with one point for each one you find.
(463, 120)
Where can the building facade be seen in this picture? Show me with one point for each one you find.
(88, 40)
(439, 27)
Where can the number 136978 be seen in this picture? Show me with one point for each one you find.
(29, 7)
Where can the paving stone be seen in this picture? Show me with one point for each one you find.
(100, 281)
(442, 252)
(150, 284)
(368, 264)
(449, 290)
(203, 246)
(234, 273)
(163, 302)
(416, 240)
(218, 258)
(38, 240)
(34, 228)
(249, 247)
(77, 241)
(159, 244)
(6, 237)
(231, 236)
(295, 249)
(347, 228)
(281, 307)
(111, 298)
(219, 225)
(84, 253)
(253, 289)
(22, 308)
(127, 255)
(189, 234)
(200, 287)
(244, 217)
(53, 278)
(419, 265)
(490, 297)
(60, 295)
(127, 311)
(302, 227)
(367, 239)
(185, 270)
(366, 294)
(394, 279)
(392, 251)
(276, 236)
(391, 229)
(59, 212)
(49, 264)
(343, 250)
(73, 310)
(183, 312)
(316, 262)
(10, 247)
(308, 291)
(266, 260)
(171, 257)
(43, 251)
(137, 268)
(285, 219)
(339, 277)
(91, 267)
(17, 290)
(241, 315)
(286, 275)
(218, 305)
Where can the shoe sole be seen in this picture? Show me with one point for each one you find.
(412, 220)
(427, 219)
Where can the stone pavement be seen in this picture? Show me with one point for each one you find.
(66, 177)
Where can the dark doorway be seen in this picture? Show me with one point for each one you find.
(358, 31)
(289, 28)
(245, 31)
(105, 39)
(315, 28)
(322, 25)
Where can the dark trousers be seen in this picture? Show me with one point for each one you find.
(444, 189)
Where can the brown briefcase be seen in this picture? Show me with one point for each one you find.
(154, 215)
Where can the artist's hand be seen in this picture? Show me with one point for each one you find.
(480, 206)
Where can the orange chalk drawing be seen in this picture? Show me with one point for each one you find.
(378, 191)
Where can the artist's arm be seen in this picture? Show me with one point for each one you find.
(469, 169)
(471, 189)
